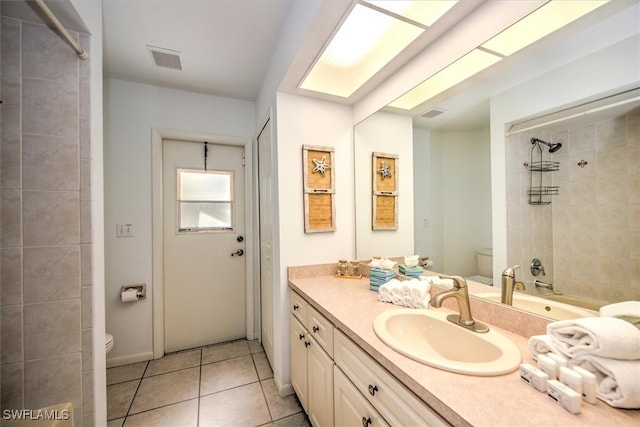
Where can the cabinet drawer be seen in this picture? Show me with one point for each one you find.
(299, 308)
(351, 408)
(393, 400)
(320, 329)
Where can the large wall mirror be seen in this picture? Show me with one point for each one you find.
(464, 169)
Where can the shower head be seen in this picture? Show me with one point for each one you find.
(552, 147)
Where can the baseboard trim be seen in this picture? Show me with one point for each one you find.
(283, 389)
(133, 358)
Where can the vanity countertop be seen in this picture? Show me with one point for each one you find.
(460, 399)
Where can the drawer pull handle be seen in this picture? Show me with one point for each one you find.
(366, 422)
(296, 306)
(307, 343)
(373, 389)
(315, 329)
(301, 336)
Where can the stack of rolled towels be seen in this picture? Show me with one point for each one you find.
(607, 346)
(412, 293)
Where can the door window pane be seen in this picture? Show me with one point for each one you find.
(205, 200)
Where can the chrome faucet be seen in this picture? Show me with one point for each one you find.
(509, 283)
(460, 292)
(540, 284)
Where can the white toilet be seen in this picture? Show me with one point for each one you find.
(108, 342)
(484, 267)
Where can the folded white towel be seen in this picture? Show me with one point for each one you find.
(540, 344)
(626, 310)
(617, 381)
(597, 336)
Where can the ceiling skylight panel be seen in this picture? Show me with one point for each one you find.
(542, 22)
(460, 70)
(423, 11)
(364, 44)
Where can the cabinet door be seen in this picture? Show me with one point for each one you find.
(299, 344)
(351, 408)
(320, 382)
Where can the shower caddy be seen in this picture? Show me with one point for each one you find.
(537, 169)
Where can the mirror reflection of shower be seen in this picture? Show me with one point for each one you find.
(553, 147)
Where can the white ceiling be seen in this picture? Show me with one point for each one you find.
(225, 46)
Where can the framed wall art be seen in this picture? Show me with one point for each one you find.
(319, 189)
(385, 191)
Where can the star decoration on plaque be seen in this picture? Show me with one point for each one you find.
(321, 165)
(385, 171)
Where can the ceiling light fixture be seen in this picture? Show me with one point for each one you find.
(538, 24)
(460, 70)
(373, 34)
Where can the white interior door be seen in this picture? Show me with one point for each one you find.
(266, 239)
(203, 232)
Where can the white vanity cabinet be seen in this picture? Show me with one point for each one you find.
(312, 361)
(351, 408)
(393, 401)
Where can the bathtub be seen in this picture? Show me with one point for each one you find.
(590, 304)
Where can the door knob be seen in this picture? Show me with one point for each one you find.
(239, 252)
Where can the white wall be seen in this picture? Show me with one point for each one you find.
(612, 67)
(308, 121)
(132, 110)
(453, 192)
(387, 133)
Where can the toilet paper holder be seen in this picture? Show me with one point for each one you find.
(141, 290)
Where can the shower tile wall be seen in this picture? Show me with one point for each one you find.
(45, 239)
(588, 238)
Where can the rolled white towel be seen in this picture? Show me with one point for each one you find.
(394, 286)
(405, 290)
(597, 336)
(396, 299)
(385, 289)
(540, 344)
(407, 301)
(443, 282)
(383, 297)
(423, 303)
(418, 289)
(617, 381)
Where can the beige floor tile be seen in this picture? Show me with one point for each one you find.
(165, 389)
(115, 423)
(255, 346)
(262, 365)
(242, 406)
(120, 374)
(279, 407)
(227, 374)
(119, 398)
(224, 351)
(298, 420)
(183, 414)
(173, 362)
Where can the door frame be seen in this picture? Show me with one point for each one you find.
(157, 137)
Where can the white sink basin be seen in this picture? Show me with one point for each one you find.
(543, 307)
(428, 337)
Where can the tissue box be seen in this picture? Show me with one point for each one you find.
(411, 271)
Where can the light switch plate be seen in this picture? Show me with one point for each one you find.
(124, 230)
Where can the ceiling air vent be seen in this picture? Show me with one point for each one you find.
(432, 113)
(165, 58)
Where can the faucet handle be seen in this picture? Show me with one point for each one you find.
(458, 281)
(511, 271)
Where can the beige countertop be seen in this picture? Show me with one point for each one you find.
(461, 399)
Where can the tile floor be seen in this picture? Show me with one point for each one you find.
(229, 384)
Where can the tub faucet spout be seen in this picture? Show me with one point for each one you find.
(509, 283)
(460, 292)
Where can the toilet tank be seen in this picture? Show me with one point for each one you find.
(484, 262)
